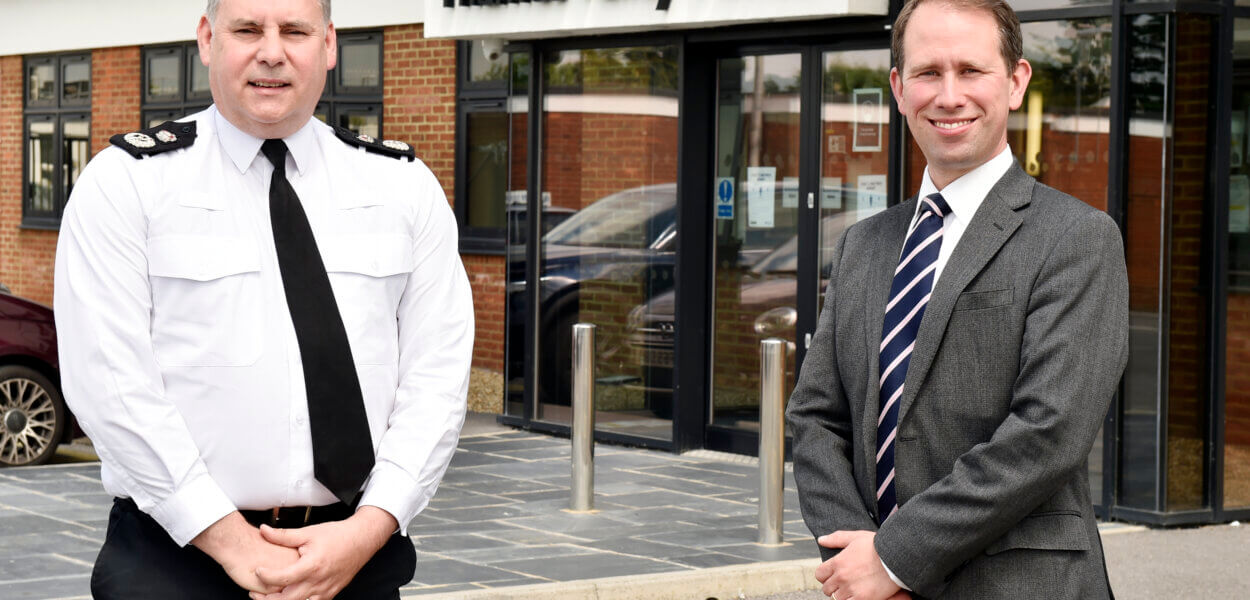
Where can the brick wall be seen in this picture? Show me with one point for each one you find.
(419, 97)
(26, 255)
(116, 89)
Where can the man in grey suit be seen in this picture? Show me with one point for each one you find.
(970, 343)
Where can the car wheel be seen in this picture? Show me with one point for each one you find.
(32, 416)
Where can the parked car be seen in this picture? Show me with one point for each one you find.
(33, 417)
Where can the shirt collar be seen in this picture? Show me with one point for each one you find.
(242, 147)
(964, 195)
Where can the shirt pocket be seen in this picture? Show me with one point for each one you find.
(206, 301)
(368, 274)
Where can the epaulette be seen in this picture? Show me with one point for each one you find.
(391, 148)
(170, 135)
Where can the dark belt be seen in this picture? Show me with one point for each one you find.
(298, 516)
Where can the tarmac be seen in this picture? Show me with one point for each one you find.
(665, 526)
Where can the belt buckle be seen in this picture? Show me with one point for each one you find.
(275, 517)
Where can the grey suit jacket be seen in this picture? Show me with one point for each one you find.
(1017, 358)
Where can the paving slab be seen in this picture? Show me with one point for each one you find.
(664, 526)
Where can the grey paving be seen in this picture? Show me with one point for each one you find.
(500, 520)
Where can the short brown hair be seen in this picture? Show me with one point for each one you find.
(1010, 40)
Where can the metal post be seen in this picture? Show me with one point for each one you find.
(583, 495)
(772, 437)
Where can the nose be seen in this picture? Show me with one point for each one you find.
(950, 92)
(271, 51)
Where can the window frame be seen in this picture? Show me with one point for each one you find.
(56, 111)
(475, 97)
(338, 100)
(173, 106)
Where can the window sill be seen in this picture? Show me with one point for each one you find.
(482, 246)
(40, 224)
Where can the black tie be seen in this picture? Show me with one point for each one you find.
(342, 447)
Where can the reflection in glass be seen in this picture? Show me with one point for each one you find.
(362, 121)
(855, 121)
(516, 237)
(486, 171)
(199, 73)
(360, 65)
(1145, 238)
(76, 82)
(755, 285)
(75, 151)
(1237, 344)
(486, 68)
(609, 167)
(164, 78)
(41, 162)
(1167, 171)
(41, 82)
(1060, 134)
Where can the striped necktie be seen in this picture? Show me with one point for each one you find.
(909, 294)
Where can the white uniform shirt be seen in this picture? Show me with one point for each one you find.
(177, 350)
(964, 196)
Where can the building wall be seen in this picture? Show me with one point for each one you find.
(25, 254)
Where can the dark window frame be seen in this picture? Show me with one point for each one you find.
(180, 104)
(475, 97)
(338, 100)
(56, 111)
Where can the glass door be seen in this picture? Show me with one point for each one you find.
(801, 153)
(756, 227)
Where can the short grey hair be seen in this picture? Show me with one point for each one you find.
(211, 10)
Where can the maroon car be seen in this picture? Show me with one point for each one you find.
(33, 419)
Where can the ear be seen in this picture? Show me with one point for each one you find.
(332, 46)
(204, 37)
(1019, 82)
(896, 87)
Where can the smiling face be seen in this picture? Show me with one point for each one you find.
(267, 62)
(955, 88)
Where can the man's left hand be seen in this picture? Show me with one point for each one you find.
(330, 554)
(856, 572)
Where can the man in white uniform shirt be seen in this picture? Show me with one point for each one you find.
(203, 362)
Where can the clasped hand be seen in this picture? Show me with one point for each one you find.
(856, 573)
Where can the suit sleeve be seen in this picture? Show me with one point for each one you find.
(1075, 347)
(822, 426)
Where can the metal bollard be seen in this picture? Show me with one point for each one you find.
(582, 498)
(772, 437)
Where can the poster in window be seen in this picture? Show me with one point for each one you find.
(867, 120)
(870, 195)
(1239, 204)
(761, 196)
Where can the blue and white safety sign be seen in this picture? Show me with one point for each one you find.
(724, 197)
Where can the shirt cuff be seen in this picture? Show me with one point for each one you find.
(391, 489)
(191, 509)
(893, 577)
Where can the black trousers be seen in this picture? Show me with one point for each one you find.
(140, 561)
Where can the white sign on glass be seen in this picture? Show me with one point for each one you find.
(761, 196)
(870, 195)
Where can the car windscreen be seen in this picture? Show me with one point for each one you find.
(635, 218)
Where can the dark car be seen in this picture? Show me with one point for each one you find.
(33, 418)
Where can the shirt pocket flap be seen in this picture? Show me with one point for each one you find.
(978, 300)
(373, 255)
(201, 257)
(1054, 531)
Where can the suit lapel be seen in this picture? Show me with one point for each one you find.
(883, 257)
(992, 225)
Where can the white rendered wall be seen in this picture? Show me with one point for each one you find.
(557, 18)
(36, 26)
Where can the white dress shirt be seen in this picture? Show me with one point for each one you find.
(177, 350)
(964, 196)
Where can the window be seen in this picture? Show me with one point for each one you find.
(483, 134)
(353, 93)
(175, 83)
(57, 128)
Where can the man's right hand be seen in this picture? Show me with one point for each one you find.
(239, 548)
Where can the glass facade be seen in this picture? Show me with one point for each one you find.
(793, 141)
(609, 172)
